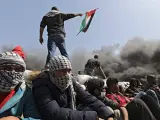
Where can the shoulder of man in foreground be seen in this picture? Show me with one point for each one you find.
(41, 78)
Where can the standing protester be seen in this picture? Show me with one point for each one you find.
(91, 65)
(54, 20)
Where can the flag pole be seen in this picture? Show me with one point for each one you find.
(78, 33)
(102, 72)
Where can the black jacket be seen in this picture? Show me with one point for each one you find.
(92, 63)
(55, 22)
(53, 104)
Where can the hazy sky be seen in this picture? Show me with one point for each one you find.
(116, 21)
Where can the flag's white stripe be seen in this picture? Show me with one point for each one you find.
(87, 20)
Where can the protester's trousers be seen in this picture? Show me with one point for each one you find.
(152, 105)
(138, 110)
(153, 95)
(55, 41)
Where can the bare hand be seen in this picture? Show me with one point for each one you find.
(107, 119)
(80, 14)
(41, 40)
(124, 113)
(10, 118)
(124, 105)
(110, 118)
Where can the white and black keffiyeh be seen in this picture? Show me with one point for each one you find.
(64, 82)
(10, 79)
(60, 63)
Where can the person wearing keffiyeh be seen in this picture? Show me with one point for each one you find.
(16, 98)
(57, 93)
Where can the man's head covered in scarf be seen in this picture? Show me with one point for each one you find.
(12, 68)
(60, 72)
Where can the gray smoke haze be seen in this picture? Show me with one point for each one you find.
(78, 59)
(7, 48)
(137, 58)
(35, 58)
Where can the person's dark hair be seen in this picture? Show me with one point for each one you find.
(79, 72)
(96, 57)
(132, 81)
(94, 83)
(111, 81)
(151, 79)
(54, 8)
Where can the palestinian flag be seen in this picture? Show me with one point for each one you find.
(87, 21)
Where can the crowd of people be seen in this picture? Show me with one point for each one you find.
(56, 94)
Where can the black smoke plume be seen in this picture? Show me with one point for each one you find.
(137, 58)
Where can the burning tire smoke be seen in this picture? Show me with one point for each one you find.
(137, 58)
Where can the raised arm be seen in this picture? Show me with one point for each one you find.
(69, 16)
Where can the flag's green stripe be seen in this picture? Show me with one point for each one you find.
(88, 23)
(83, 24)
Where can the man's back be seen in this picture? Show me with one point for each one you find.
(55, 22)
(92, 63)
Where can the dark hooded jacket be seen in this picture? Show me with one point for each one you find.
(54, 21)
(54, 105)
(92, 63)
